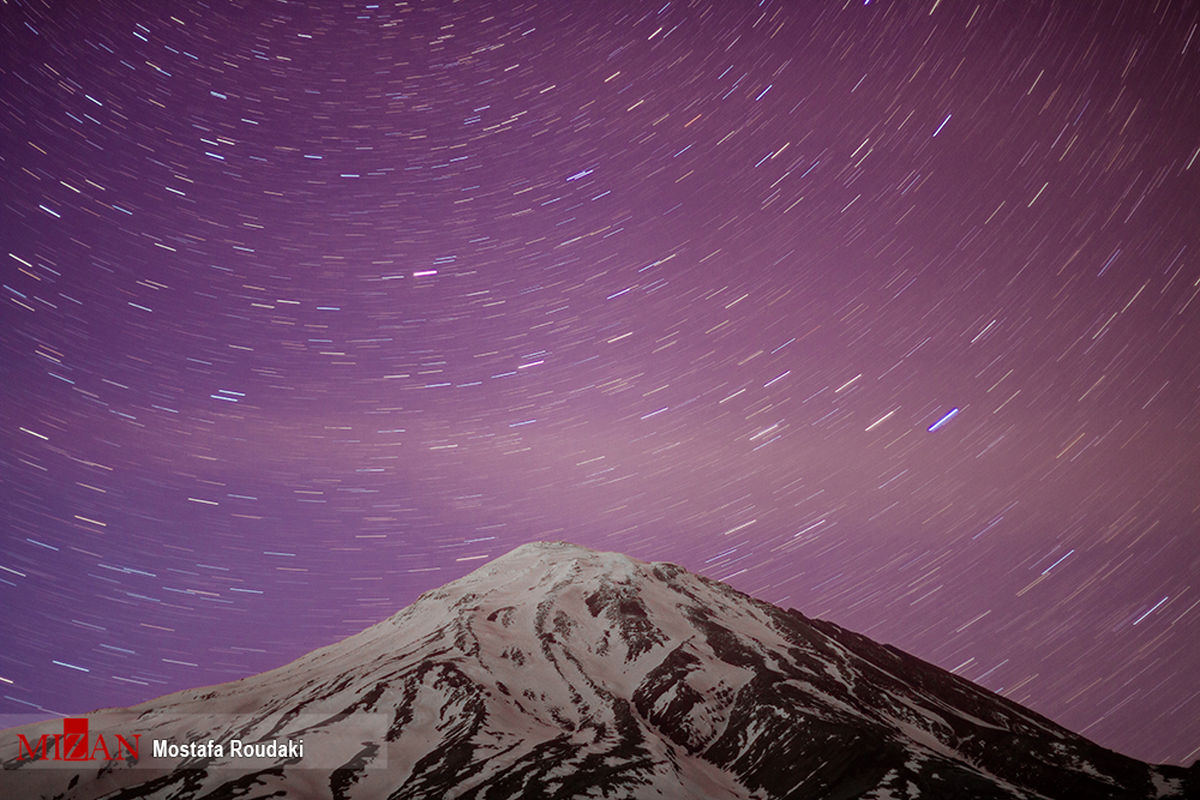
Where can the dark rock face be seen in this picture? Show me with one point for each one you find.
(558, 672)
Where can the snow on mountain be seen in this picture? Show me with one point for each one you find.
(560, 672)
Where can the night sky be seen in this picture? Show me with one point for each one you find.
(885, 311)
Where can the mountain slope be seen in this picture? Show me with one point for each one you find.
(556, 671)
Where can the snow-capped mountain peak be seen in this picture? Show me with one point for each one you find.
(559, 671)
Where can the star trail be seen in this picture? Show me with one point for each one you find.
(885, 311)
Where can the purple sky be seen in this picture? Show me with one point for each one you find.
(886, 312)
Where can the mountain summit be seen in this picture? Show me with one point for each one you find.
(560, 672)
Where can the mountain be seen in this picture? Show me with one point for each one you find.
(560, 672)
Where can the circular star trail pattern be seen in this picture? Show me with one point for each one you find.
(884, 311)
